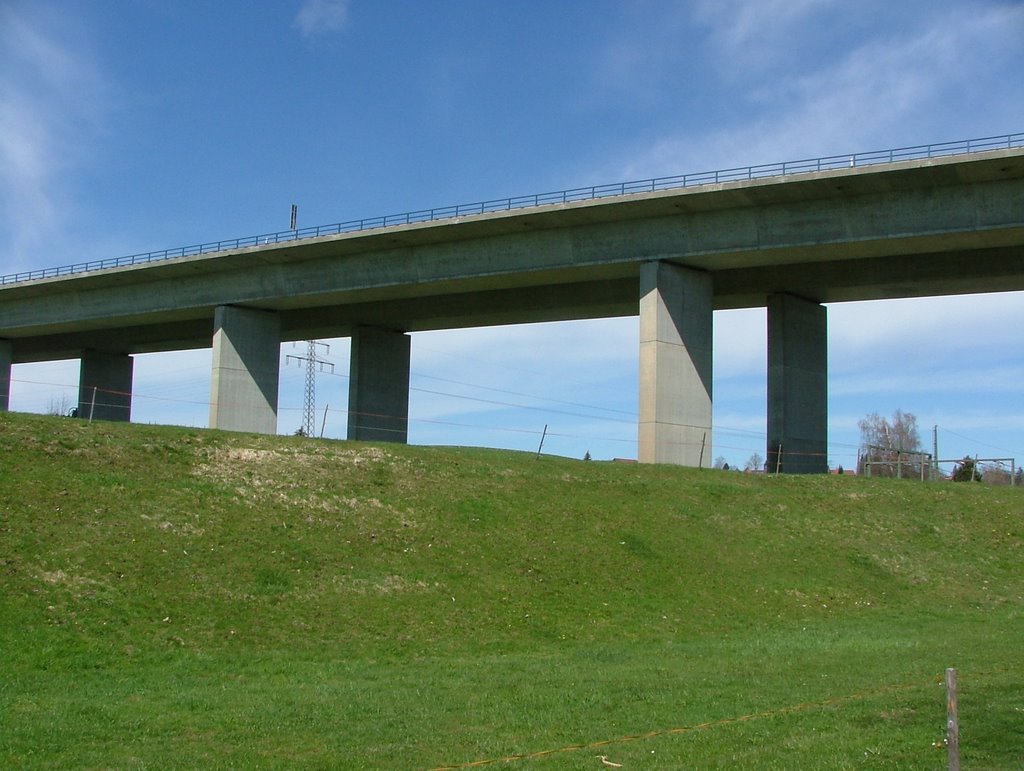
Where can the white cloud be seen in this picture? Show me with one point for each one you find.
(881, 90)
(320, 17)
(752, 29)
(917, 382)
(922, 333)
(52, 101)
(740, 338)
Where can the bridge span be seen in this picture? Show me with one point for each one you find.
(913, 228)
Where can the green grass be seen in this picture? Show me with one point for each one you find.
(177, 598)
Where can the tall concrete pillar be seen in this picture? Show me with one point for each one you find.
(797, 385)
(378, 385)
(246, 369)
(105, 386)
(675, 365)
(6, 357)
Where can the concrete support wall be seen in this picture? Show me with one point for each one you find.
(797, 385)
(675, 365)
(378, 390)
(105, 386)
(246, 367)
(6, 357)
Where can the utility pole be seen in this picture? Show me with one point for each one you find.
(313, 364)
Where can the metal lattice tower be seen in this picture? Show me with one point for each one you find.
(309, 398)
(313, 364)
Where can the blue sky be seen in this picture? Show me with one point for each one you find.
(135, 126)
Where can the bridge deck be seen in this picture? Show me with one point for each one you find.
(914, 228)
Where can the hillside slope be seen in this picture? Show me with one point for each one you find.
(179, 597)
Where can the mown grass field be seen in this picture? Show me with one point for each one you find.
(178, 598)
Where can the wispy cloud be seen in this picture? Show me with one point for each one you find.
(52, 101)
(881, 90)
(752, 29)
(918, 333)
(948, 380)
(321, 17)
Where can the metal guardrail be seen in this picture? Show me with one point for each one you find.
(594, 192)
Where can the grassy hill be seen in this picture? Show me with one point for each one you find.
(178, 598)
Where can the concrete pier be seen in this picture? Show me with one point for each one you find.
(105, 386)
(378, 390)
(6, 358)
(675, 365)
(797, 385)
(246, 368)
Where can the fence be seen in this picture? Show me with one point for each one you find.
(951, 741)
(919, 465)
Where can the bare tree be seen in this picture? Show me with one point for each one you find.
(755, 462)
(898, 434)
(895, 443)
(59, 406)
(996, 474)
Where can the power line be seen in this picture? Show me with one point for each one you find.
(519, 406)
(975, 441)
(834, 449)
(526, 395)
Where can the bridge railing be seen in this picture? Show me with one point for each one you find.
(594, 192)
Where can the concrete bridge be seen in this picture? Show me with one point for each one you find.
(921, 227)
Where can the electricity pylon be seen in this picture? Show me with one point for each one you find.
(313, 365)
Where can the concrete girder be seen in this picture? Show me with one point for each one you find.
(931, 274)
(857, 215)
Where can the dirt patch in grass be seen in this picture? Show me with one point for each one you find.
(324, 486)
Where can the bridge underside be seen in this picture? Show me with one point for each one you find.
(541, 297)
(791, 245)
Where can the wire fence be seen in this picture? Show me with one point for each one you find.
(620, 433)
(926, 687)
(571, 195)
(562, 428)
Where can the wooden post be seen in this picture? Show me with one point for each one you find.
(542, 437)
(952, 722)
(703, 442)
